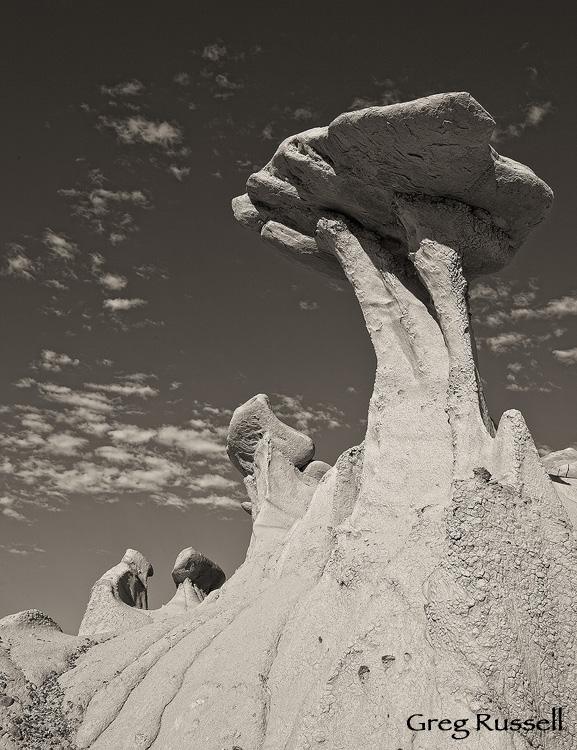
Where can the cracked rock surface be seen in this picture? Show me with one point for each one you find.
(437, 147)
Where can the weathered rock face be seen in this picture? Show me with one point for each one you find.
(195, 567)
(438, 147)
(247, 427)
(118, 598)
(561, 463)
(432, 569)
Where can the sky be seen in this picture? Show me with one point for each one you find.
(137, 315)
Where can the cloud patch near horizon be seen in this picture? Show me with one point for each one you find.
(92, 441)
(82, 443)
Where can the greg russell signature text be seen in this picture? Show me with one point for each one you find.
(461, 728)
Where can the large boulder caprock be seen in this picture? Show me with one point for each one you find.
(116, 599)
(433, 569)
(247, 427)
(119, 599)
(438, 147)
(191, 565)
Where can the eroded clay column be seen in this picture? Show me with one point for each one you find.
(438, 233)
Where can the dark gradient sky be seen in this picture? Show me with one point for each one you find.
(127, 128)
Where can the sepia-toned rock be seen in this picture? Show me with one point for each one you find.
(431, 570)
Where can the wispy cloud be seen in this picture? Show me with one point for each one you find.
(96, 260)
(64, 444)
(505, 341)
(223, 81)
(53, 453)
(193, 440)
(508, 340)
(182, 78)
(179, 172)
(172, 500)
(388, 93)
(61, 394)
(308, 419)
(7, 509)
(267, 132)
(59, 245)
(133, 87)
(214, 52)
(22, 549)
(131, 434)
(143, 391)
(302, 113)
(527, 378)
(553, 310)
(18, 264)
(501, 303)
(105, 210)
(114, 454)
(114, 282)
(150, 271)
(52, 269)
(25, 383)
(138, 129)
(534, 114)
(566, 356)
(499, 291)
(307, 305)
(53, 362)
(136, 377)
(36, 422)
(119, 304)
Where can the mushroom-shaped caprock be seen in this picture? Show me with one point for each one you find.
(119, 599)
(205, 574)
(363, 162)
(248, 425)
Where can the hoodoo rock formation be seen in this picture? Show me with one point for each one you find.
(432, 570)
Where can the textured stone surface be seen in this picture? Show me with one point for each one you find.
(202, 572)
(316, 469)
(118, 598)
(437, 147)
(29, 619)
(248, 425)
(433, 568)
(567, 492)
(562, 463)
